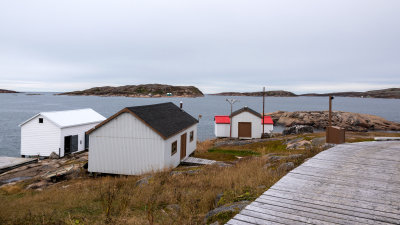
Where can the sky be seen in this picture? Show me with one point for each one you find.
(301, 46)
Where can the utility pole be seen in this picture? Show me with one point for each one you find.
(262, 135)
(231, 101)
(330, 110)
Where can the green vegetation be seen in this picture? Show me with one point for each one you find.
(183, 198)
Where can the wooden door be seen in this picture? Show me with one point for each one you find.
(74, 143)
(244, 129)
(183, 146)
(67, 145)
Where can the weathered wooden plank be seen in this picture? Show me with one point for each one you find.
(339, 180)
(387, 164)
(272, 217)
(378, 210)
(292, 213)
(238, 222)
(253, 219)
(348, 184)
(341, 199)
(342, 216)
(323, 188)
(390, 179)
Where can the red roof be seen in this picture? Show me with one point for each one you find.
(268, 120)
(222, 119)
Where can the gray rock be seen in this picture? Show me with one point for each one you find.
(215, 223)
(298, 129)
(54, 155)
(275, 158)
(222, 164)
(235, 207)
(173, 207)
(185, 172)
(267, 166)
(286, 166)
(143, 181)
(219, 196)
(261, 187)
(295, 156)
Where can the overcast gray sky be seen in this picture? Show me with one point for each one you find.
(216, 45)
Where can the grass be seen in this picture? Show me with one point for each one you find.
(118, 200)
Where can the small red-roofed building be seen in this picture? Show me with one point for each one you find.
(246, 124)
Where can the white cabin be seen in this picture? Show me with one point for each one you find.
(61, 132)
(246, 124)
(142, 139)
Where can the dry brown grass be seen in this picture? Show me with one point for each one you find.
(118, 200)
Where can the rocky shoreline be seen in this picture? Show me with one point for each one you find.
(279, 93)
(140, 91)
(7, 91)
(348, 120)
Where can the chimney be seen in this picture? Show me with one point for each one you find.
(180, 104)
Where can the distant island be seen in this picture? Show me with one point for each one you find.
(384, 93)
(142, 90)
(7, 91)
(260, 93)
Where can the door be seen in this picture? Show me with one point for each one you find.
(70, 144)
(74, 143)
(244, 129)
(183, 146)
(67, 145)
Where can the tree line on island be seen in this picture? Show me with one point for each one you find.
(164, 90)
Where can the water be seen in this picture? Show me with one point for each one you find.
(16, 108)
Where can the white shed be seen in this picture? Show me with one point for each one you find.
(62, 132)
(142, 139)
(222, 126)
(246, 124)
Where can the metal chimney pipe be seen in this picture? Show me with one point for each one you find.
(180, 104)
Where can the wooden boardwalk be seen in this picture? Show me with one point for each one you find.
(348, 184)
(9, 163)
(198, 161)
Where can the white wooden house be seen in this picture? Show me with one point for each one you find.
(246, 124)
(61, 132)
(142, 139)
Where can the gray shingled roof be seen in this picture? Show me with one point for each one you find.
(166, 118)
(246, 109)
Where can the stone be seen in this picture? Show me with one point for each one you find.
(298, 129)
(219, 196)
(173, 208)
(235, 207)
(299, 145)
(54, 155)
(275, 158)
(222, 164)
(215, 223)
(295, 156)
(185, 172)
(143, 181)
(267, 166)
(286, 166)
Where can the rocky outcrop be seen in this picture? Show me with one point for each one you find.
(319, 120)
(298, 129)
(384, 93)
(143, 90)
(7, 91)
(267, 93)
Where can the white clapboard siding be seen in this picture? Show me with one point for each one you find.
(256, 126)
(75, 130)
(125, 145)
(268, 128)
(222, 130)
(40, 138)
(174, 160)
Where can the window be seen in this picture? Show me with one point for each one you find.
(40, 120)
(174, 147)
(191, 136)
